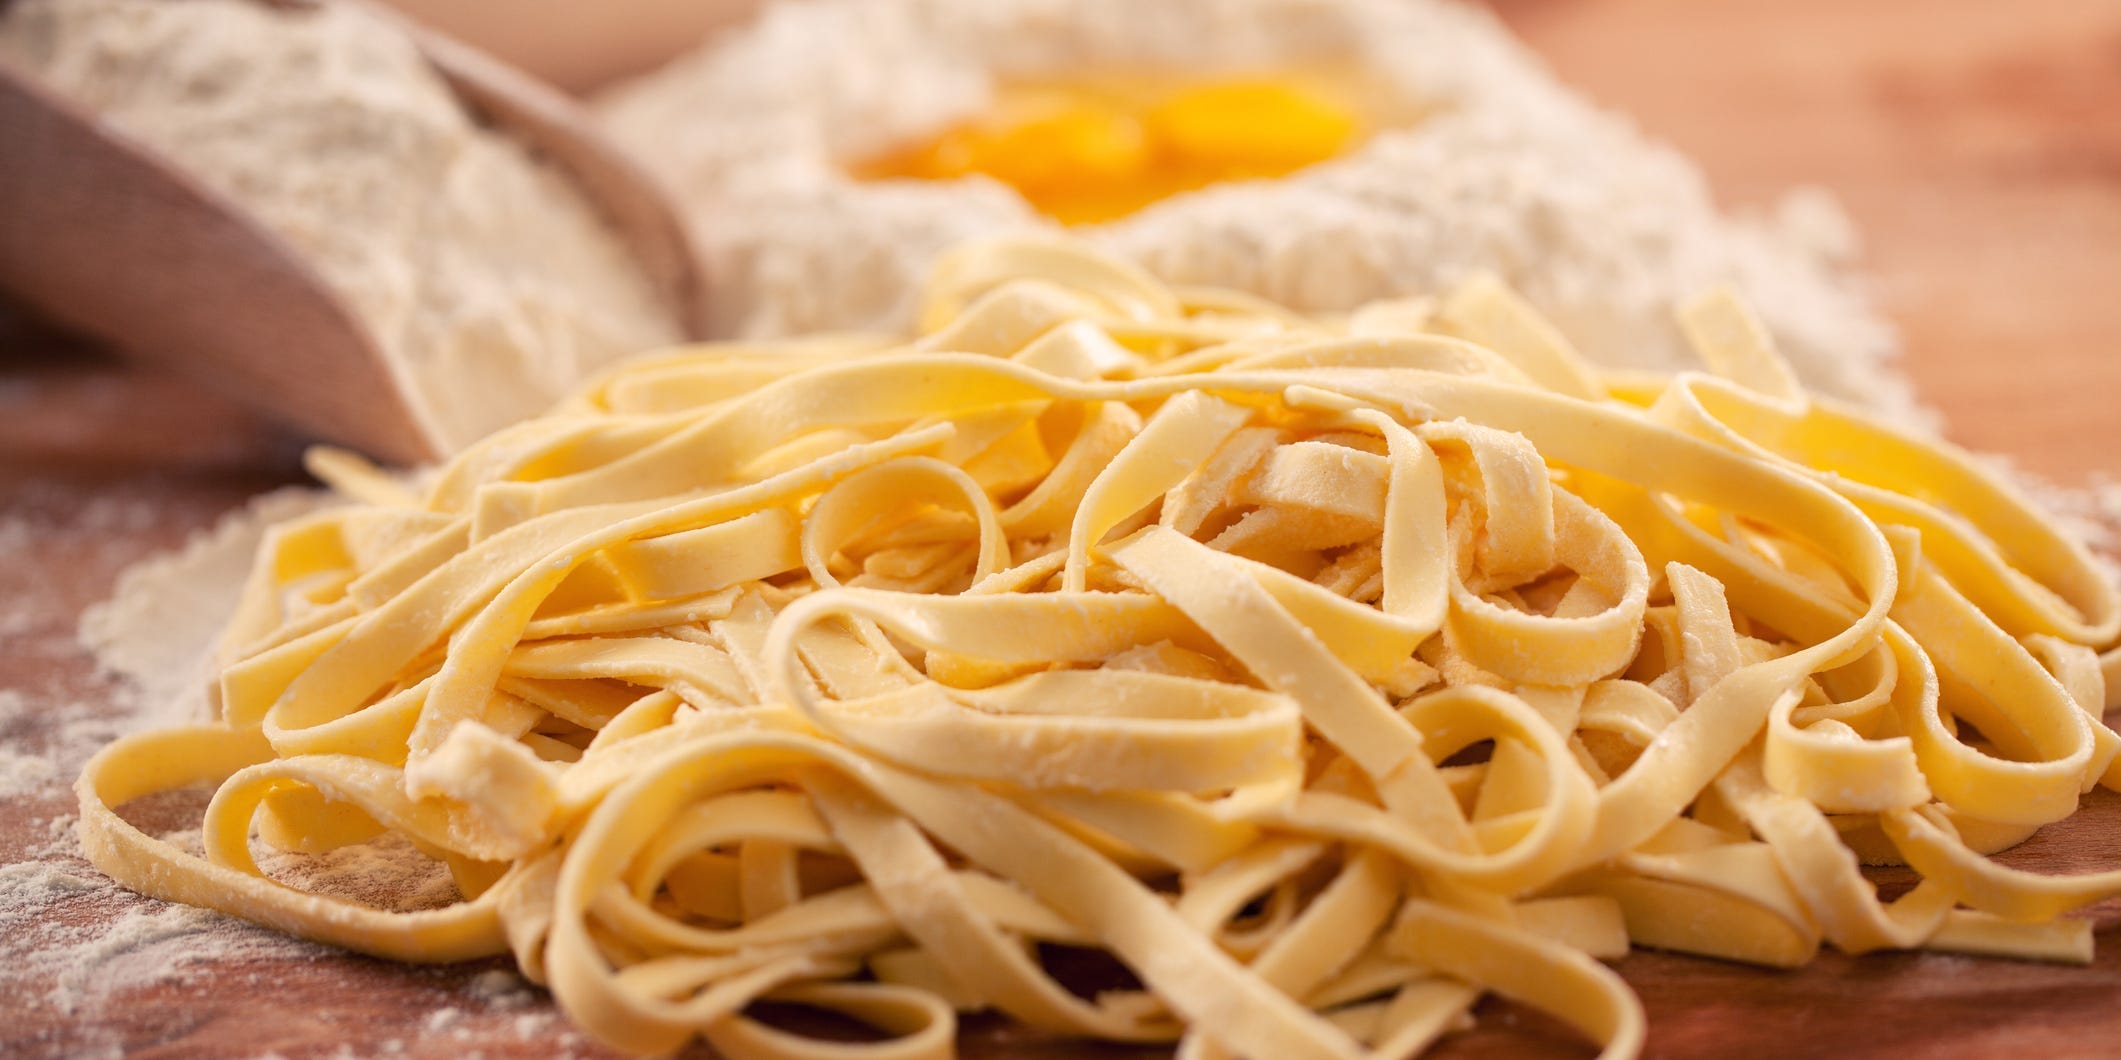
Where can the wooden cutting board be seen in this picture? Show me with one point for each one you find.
(1975, 144)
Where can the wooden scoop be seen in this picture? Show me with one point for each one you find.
(105, 236)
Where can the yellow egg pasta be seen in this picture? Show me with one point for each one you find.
(1327, 675)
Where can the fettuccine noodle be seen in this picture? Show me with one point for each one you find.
(1328, 675)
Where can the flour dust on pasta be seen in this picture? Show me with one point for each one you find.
(1328, 674)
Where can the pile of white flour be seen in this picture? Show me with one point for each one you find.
(1506, 170)
(484, 276)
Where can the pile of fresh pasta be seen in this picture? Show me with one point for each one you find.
(1328, 675)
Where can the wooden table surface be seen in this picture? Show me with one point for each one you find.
(1976, 144)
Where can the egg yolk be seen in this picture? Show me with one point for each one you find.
(1085, 152)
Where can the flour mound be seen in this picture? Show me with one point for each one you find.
(1495, 166)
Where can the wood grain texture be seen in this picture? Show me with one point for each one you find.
(1974, 143)
(1977, 146)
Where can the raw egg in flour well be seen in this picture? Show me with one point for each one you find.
(1096, 150)
(1322, 156)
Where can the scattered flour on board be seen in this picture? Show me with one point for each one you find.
(72, 942)
(158, 630)
(22, 772)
